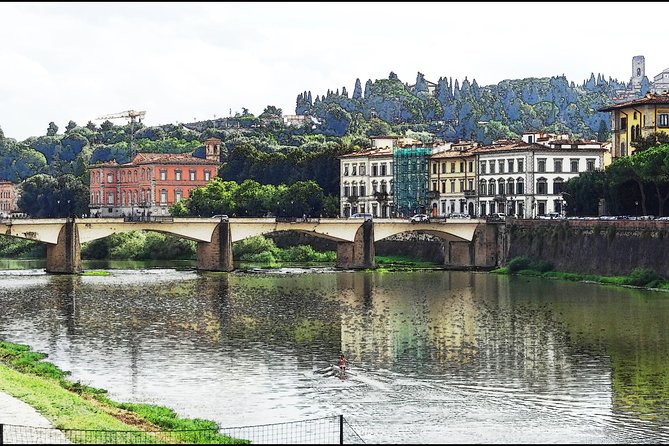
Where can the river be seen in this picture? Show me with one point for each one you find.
(435, 356)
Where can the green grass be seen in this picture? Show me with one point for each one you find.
(70, 405)
(94, 273)
(640, 277)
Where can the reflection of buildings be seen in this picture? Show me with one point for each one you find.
(385, 321)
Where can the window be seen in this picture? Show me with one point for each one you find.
(557, 186)
(520, 166)
(542, 186)
(443, 187)
(110, 177)
(491, 187)
(363, 192)
(434, 168)
(462, 185)
(557, 165)
(452, 186)
(192, 175)
(163, 174)
(384, 187)
(177, 175)
(142, 174)
(207, 175)
(509, 186)
(520, 189)
(384, 171)
(510, 166)
(375, 186)
(134, 176)
(462, 166)
(574, 165)
(452, 166)
(501, 166)
(590, 164)
(110, 198)
(434, 185)
(471, 166)
(345, 170)
(492, 166)
(347, 190)
(375, 170)
(541, 165)
(470, 185)
(482, 187)
(623, 123)
(663, 120)
(483, 167)
(363, 169)
(163, 196)
(500, 187)
(177, 195)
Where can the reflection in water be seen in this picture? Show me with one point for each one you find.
(435, 356)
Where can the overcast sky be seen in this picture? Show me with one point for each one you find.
(182, 62)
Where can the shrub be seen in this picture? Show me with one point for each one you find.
(643, 276)
(518, 263)
(542, 266)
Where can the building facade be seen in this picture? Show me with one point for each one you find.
(7, 198)
(637, 118)
(151, 182)
(366, 179)
(453, 180)
(526, 179)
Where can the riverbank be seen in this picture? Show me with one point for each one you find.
(644, 278)
(72, 406)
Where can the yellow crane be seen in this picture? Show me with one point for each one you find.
(132, 115)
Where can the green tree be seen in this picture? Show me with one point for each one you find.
(603, 133)
(52, 130)
(214, 198)
(71, 125)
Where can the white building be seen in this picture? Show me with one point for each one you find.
(366, 181)
(526, 179)
(661, 82)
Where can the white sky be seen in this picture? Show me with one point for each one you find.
(182, 62)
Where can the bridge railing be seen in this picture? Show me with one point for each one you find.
(149, 218)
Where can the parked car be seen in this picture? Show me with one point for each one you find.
(420, 218)
(364, 215)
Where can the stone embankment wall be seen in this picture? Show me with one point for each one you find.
(604, 247)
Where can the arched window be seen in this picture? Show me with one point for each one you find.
(142, 175)
(363, 192)
(542, 186)
(557, 185)
(384, 186)
(501, 186)
(347, 189)
(134, 176)
(510, 190)
(375, 186)
(354, 188)
(482, 187)
(491, 187)
(520, 186)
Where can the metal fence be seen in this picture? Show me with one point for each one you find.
(327, 430)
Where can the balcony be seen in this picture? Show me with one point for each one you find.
(382, 196)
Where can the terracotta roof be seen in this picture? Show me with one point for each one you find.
(169, 158)
(649, 99)
(522, 146)
(372, 151)
(453, 154)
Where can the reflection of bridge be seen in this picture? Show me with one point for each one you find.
(470, 242)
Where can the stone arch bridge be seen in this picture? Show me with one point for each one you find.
(470, 243)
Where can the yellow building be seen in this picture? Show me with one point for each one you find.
(638, 118)
(453, 180)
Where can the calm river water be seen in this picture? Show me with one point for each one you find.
(435, 356)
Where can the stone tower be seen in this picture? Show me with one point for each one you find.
(638, 71)
(212, 149)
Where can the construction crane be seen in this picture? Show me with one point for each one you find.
(132, 115)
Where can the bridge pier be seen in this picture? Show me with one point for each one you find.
(358, 254)
(216, 255)
(65, 256)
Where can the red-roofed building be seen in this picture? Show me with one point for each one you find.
(7, 198)
(151, 182)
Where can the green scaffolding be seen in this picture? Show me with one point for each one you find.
(410, 180)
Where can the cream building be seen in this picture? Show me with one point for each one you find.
(526, 179)
(453, 180)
